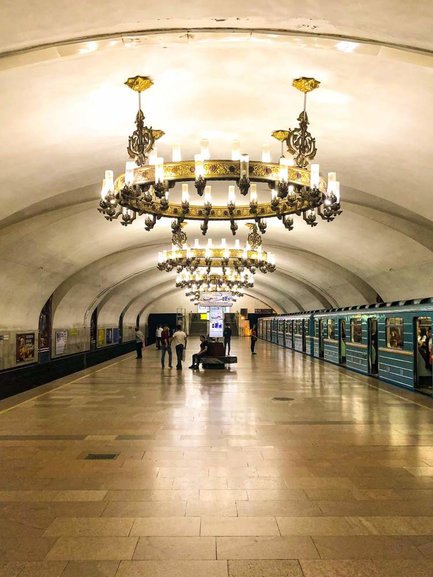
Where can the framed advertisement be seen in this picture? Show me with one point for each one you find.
(115, 335)
(25, 350)
(108, 336)
(61, 342)
(101, 337)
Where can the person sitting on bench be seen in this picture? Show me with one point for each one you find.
(201, 353)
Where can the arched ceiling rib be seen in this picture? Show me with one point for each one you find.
(388, 21)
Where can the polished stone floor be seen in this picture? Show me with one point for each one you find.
(212, 477)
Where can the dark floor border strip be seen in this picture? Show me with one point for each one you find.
(14, 381)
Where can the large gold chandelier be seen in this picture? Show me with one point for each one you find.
(296, 187)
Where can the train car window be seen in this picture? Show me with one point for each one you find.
(331, 329)
(394, 333)
(316, 327)
(356, 330)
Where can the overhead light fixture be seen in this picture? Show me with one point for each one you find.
(239, 258)
(216, 280)
(296, 186)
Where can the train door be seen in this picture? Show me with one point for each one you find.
(321, 338)
(424, 353)
(304, 328)
(373, 365)
(342, 341)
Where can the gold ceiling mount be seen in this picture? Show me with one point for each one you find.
(305, 84)
(139, 83)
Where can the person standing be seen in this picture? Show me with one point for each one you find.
(166, 347)
(227, 334)
(253, 339)
(178, 342)
(158, 335)
(139, 342)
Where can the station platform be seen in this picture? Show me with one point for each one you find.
(279, 466)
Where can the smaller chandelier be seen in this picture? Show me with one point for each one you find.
(196, 296)
(216, 280)
(237, 258)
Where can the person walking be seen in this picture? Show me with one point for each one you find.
(139, 343)
(166, 347)
(253, 339)
(227, 334)
(178, 342)
(158, 335)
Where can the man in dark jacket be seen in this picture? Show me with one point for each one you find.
(227, 334)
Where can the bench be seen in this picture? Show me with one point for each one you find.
(215, 357)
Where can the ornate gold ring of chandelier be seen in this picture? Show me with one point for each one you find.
(224, 281)
(296, 190)
(251, 257)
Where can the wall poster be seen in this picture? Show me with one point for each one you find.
(116, 335)
(101, 337)
(25, 347)
(61, 342)
(108, 336)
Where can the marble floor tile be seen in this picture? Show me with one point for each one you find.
(43, 569)
(322, 526)
(238, 526)
(176, 568)
(366, 547)
(145, 509)
(25, 549)
(89, 527)
(175, 548)
(93, 548)
(266, 548)
(343, 568)
(91, 569)
(268, 568)
(166, 527)
(211, 509)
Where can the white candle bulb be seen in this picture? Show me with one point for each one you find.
(273, 193)
(266, 153)
(314, 176)
(237, 244)
(153, 155)
(208, 195)
(185, 193)
(199, 165)
(129, 172)
(231, 199)
(223, 242)
(236, 150)
(196, 243)
(244, 165)
(109, 180)
(159, 169)
(176, 154)
(253, 193)
(284, 169)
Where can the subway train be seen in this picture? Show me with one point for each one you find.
(390, 341)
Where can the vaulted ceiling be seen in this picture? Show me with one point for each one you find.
(221, 70)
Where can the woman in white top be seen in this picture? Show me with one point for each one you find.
(178, 342)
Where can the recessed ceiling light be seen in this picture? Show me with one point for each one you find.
(345, 46)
